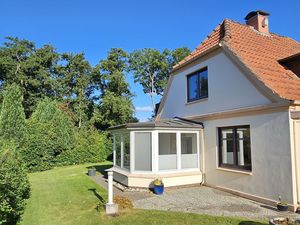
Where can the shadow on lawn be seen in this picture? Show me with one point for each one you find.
(100, 198)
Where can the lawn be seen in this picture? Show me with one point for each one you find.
(67, 196)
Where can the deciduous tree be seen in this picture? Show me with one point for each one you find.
(115, 106)
(151, 68)
(77, 81)
(31, 68)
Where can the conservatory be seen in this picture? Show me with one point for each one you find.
(166, 149)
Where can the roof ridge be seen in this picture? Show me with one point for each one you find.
(272, 33)
(285, 37)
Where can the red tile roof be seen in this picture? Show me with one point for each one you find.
(257, 51)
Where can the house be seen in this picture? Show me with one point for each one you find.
(229, 118)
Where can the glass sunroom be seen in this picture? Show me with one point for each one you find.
(167, 149)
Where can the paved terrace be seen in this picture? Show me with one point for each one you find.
(199, 199)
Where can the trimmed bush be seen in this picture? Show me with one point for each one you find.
(123, 202)
(14, 185)
(90, 146)
(50, 133)
(12, 117)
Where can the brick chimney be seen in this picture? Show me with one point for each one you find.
(258, 20)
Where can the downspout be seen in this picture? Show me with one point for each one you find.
(295, 162)
(293, 117)
(202, 157)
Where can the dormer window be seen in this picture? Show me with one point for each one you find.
(197, 85)
(292, 63)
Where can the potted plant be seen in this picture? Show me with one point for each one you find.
(282, 206)
(158, 186)
(91, 171)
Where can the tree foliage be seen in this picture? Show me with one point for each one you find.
(70, 79)
(177, 55)
(78, 84)
(14, 185)
(115, 106)
(50, 132)
(151, 68)
(90, 146)
(114, 110)
(112, 73)
(12, 117)
(31, 68)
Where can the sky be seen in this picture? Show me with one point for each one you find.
(96, 26)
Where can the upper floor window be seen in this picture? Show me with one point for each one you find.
(197, 84)
(235, 147)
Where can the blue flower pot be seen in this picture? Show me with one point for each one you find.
(158, 189)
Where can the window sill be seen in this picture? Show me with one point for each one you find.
(235, 171)
(196, 101)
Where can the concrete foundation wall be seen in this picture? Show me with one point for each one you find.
(169, 179)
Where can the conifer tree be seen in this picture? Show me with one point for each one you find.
(12, 116)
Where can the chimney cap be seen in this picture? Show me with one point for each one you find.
(254, 13)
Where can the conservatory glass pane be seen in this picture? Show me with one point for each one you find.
(126, 150)
(118, 149)
(189, 156)
(167, 151)
(142, 151)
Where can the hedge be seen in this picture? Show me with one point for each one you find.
(49, 133)
(14, 185)
(90, 146)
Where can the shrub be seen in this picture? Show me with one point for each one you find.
(90, 146)
(123, 203)
(14, 185)
(50, 133)
(12, 117)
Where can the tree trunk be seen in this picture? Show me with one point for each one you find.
(152, 101)
(152, 95)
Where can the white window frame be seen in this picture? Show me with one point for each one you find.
(155, 151)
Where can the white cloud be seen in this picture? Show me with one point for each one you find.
(143, 119)
(143, 108)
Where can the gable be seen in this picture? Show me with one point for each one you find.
(259, 53)
(228, 89)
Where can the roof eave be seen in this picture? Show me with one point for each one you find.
(154, 125)
(179, 67)
(295, 102)
(195, 58)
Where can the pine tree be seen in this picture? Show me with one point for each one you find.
(12, 116)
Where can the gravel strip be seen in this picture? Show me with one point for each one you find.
(202, 200)
(205, 200)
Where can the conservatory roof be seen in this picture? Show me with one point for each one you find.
(163, 123)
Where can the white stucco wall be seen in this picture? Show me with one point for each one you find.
(271, 157)
(271, 148)
(228, 89)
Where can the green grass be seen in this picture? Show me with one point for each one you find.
(66, 196)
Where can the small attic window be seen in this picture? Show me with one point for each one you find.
(292, 63)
